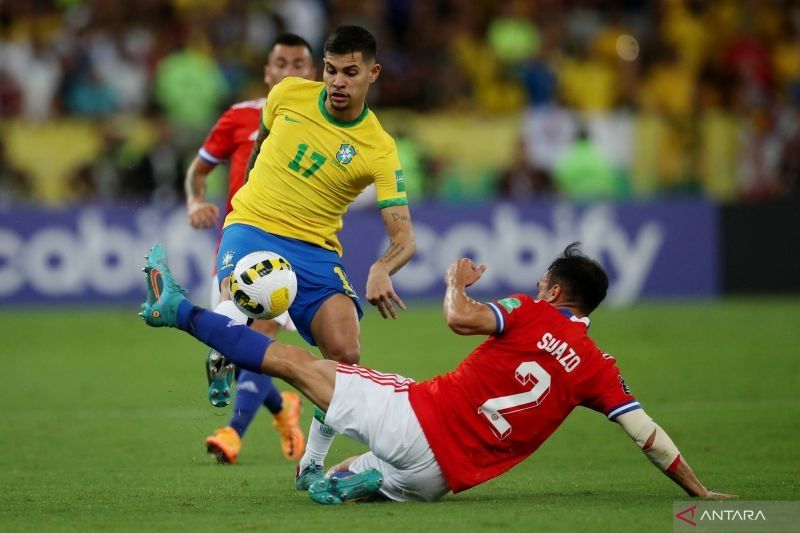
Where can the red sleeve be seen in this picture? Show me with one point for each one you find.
(509, 311)
(612, 396)
(220, 143)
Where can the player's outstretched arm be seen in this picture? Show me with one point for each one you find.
(202, 214)
(464, 315)
(662, 452)
(380, 291)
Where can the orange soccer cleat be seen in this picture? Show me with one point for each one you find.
(224, 444)
(287, 423)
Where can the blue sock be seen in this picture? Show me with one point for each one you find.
(240, 344)
(273, 401)
(253, 391)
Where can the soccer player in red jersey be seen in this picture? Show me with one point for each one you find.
(463, 428)
(232, 139)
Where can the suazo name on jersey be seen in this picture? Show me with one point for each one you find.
(560, 350)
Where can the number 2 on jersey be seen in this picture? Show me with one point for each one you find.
(317, 158)
(494, 408)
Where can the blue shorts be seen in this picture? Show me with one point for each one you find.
(320, 273)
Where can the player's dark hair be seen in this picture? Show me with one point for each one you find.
(291, 39)
(352, 39)
(582, 279)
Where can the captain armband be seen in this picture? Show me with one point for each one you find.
(652, 440)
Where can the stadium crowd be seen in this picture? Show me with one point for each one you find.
(582, 99)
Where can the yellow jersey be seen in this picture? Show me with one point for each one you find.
(312, 166)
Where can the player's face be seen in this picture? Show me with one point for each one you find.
(286, 61)
(347, 78)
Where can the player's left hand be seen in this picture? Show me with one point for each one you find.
(380, 292)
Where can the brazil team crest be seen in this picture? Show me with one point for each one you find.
(227, 260)
(345, 154)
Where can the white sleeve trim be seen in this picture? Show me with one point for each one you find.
(498, 316)
(622, 409)
(208, 157)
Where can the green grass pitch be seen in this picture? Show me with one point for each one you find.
(104, 418)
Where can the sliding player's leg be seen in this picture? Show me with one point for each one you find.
(167, 306)
(398, 447)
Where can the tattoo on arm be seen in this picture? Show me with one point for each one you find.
(396, 217)
(394, 250)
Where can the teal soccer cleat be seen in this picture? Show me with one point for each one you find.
(308, 476)
(219, 372)
(164, 295)
(335, 490)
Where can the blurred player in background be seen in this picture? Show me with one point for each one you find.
(232, 139)
(318, 147)
(468, 426)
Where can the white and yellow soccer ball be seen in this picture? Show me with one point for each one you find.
(263, 285)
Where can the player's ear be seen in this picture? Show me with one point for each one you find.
(374, 72)
(553, 294)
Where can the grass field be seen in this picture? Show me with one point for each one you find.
(104, 419)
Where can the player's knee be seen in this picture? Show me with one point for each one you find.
(347, 353)
(350, 358)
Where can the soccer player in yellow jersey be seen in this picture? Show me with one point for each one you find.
(318, 147)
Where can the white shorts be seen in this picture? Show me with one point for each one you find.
(283, 320)
(373, 408)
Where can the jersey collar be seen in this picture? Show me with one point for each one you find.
(585, 320)
(333, 120)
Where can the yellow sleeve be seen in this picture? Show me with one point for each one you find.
(389, 183)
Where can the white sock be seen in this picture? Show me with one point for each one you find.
(229, 309)
(320, 438)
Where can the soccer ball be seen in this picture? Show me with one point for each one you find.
(263, 285)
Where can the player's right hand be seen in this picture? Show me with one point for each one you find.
(464, 272)
(203, 215)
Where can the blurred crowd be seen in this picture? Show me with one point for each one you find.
(593, 99)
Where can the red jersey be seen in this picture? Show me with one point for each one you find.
(514, 390)
(232, 138)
